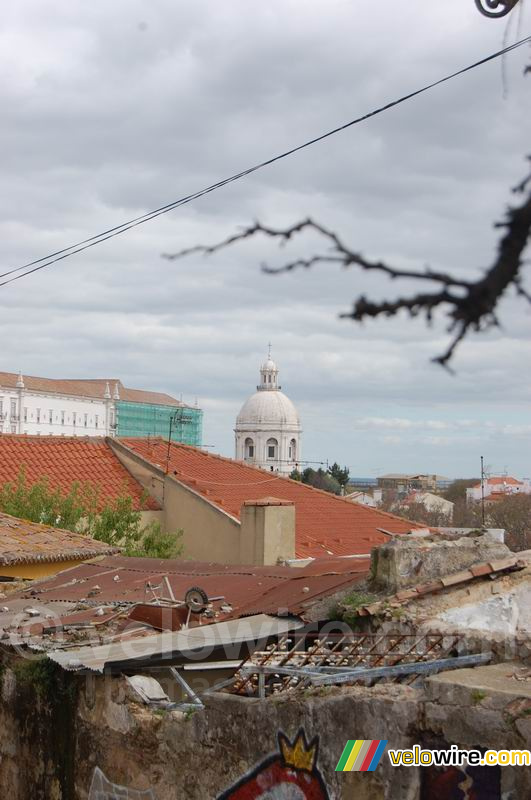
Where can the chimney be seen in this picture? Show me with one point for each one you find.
(267, 533)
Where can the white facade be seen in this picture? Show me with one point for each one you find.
(268, 430)
(44, 413)
(501, 485)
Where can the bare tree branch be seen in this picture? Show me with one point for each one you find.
(470, 305)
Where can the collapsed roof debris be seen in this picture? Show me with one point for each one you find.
(120, 609)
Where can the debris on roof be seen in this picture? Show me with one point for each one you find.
(303, 659)
(122, 599)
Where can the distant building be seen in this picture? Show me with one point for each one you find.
(497, 488)
(403, 483)
(372, 499)
(268, 429)
(431, 502)
(51, 407)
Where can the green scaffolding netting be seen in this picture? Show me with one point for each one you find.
(146, 419)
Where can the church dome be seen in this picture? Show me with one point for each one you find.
(268, 430)
(268, 408)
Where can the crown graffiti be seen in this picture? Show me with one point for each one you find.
(299, 753)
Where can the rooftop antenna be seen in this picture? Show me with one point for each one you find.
(482, 494)
(269, 350)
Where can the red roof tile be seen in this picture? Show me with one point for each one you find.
(502, 480)
(65, 460)
(326, 525)
(91, 387)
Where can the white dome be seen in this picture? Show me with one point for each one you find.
(268, 408)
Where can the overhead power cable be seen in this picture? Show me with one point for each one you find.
(52, 258)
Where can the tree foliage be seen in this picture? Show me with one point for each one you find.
(457, 490)
(320, 479)
(116, 523)
(341, 475)
(514, 515)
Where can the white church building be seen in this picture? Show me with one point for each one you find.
(268, 429)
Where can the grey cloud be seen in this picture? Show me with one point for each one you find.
(112, 109)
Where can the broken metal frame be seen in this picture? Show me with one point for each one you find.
(195, 701)
(329, 676)
(338, 653)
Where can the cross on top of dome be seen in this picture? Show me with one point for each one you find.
(268, 375)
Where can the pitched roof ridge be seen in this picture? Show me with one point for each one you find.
(245, 466)
(54, 439)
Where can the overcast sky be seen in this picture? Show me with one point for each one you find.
(112, 108)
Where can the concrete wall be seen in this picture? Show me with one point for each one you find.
(265, 535)
(39, 570)
(209, 534)
(199, 756)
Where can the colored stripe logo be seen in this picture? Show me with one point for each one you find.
(361, 755)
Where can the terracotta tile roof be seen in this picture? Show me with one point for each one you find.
(504, 479)
(23, 542)
(326, 525)
(65, 460)
(87, 388)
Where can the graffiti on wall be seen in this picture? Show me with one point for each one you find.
(289, 774)
(461, 783)
(102, 789)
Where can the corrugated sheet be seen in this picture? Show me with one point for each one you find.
(252, 589)
(191, 644)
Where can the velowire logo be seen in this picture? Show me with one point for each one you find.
(361, 755)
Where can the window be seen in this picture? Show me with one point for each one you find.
(292, 450)
(85, 420)
(13, 408)
(13, 428)
(38, 415)
(271, 448)
(50, 416)
(74, 419)
(96, 420)
(25, 415)
(1, 408)
(249, 448)
(269, 378)
(62, 417)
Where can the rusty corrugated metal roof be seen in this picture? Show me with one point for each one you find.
(246, 589)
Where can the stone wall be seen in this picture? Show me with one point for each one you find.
(56, 728)
(407, 560)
